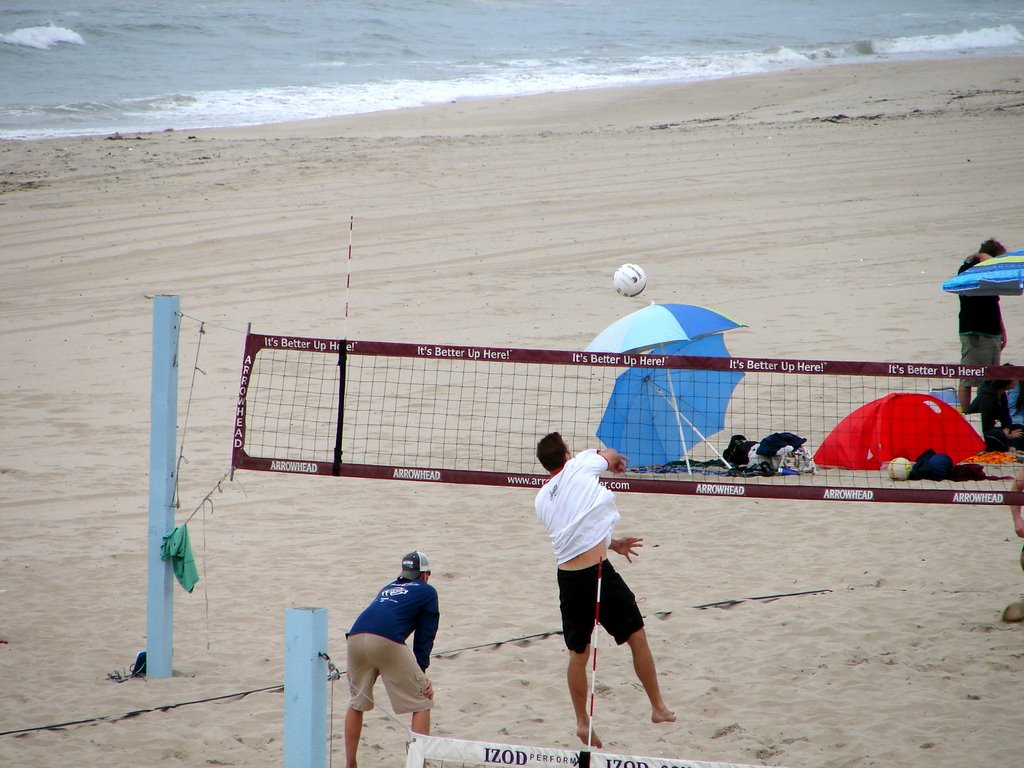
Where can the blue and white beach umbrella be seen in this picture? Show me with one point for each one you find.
(660, 324)
(998, 276)
(657, 415)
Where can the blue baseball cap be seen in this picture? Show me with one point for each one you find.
(415, 563)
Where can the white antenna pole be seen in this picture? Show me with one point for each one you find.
(593, 669)
(348, 274)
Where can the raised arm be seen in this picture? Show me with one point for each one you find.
(616, 461)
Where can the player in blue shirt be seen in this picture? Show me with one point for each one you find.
(376, 648)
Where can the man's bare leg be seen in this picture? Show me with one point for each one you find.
(647, 674)
(353, 729)
(576, 676)
(963, 395)
(421, 722)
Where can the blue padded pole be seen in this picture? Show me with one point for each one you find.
(162, 441)
(305, 688)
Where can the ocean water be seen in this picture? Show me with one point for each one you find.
(91, 67)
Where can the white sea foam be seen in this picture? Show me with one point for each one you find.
(143, 66)
(995, 37)
(42, 37)
(510, 78)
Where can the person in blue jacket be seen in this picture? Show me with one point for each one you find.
(1015, 399)
(376, 648)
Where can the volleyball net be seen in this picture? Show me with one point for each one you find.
(435, 752)
(443, 413)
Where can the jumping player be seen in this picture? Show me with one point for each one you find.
(580, 514)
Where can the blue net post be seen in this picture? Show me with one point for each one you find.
(162, 441)
(305, 688)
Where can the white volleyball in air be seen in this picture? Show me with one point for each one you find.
(629, 280)
(899, 469)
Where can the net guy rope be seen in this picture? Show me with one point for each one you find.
(444, 413)
(335, 674)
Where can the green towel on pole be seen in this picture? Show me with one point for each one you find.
(178, 548)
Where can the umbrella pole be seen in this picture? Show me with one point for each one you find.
(690, 424)
(679, 426)
(714, 450)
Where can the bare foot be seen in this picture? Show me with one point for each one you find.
(663, 715)
(582, 731)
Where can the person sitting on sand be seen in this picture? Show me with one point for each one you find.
(997, 427)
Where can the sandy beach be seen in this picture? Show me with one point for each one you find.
(822, 207)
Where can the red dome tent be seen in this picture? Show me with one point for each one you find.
(898, 425)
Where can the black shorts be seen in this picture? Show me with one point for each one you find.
(577, 597)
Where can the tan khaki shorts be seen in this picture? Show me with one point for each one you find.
(372, 656)
(979, 350)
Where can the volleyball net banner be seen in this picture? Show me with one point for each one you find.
(443, 413)
(455, 753)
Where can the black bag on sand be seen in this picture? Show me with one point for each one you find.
(737, 452)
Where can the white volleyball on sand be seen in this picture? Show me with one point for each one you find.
(629, 280)
(899, 468)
